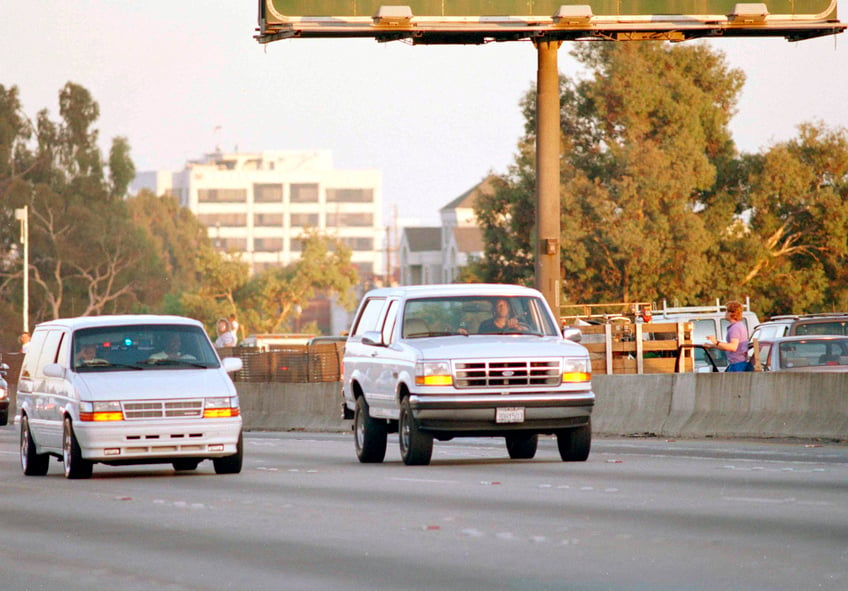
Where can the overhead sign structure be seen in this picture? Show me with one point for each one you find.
(481, 21)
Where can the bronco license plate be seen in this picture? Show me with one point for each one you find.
(509, 415)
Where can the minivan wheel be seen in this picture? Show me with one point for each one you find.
(522, 446)
(185, 464)
(32, 463)
(574, 444)
(74, 464)
(369, 435)
(230, 464)
(416, 446)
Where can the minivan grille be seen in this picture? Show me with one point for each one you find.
(499, 374)
(163, 409)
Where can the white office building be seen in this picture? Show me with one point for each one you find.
(261, 203)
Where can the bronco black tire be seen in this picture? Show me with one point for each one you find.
(522, 446)
(574, 444)
(416, 446)
(369, 434)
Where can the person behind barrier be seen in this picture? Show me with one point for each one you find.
(736, 342)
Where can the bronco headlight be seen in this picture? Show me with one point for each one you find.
(433, 373)
(576, 370)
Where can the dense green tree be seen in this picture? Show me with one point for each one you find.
(324, 266)
(86, 254)
(796, 247)
(226, 281)
(645, 136)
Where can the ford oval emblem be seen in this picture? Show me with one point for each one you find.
(508, 374)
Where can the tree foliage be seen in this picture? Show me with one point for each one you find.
(652, 190)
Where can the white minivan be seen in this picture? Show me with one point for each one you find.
(128, 389)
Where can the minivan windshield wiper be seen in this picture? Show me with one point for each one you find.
(178, 363)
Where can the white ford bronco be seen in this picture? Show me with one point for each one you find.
(464, 360)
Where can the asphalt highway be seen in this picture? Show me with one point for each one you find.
(640, 514)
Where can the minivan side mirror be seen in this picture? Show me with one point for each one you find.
(232, 364)
(572, 334)
(54, 370)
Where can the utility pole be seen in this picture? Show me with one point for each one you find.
(22, 214)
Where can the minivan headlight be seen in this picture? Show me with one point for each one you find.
(433, 373)
(104, 410)
(576, 369)
(221, 407)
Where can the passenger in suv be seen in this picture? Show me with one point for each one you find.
(421, 361)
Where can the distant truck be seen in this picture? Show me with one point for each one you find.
(268, 341)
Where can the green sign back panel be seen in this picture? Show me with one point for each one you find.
(477, 8)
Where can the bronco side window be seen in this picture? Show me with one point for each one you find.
(369, 317)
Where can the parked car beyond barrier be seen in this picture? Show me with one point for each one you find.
(4, 395)
(805, 354)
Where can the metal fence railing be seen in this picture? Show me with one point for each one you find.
(318, 361)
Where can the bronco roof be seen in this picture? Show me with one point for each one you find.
(455, 289)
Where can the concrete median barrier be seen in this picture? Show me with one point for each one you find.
(811, 406)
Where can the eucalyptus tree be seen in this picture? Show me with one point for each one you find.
(86, 255)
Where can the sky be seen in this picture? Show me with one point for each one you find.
(179, 79)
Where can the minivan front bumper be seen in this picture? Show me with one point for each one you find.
(152, 440)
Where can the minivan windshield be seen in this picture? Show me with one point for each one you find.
(472, 315)
(137, 347)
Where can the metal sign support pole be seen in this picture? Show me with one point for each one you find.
(548, 208)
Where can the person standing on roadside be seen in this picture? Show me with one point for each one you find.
(226, 338)
(24, 339)
(736, 342)
(234, 326)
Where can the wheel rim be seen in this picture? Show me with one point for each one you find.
(24, 444)
(66, 449)
(360, 429)
(404, 431)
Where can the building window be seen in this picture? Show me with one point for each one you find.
(304, 220)
(356, 243)
(222, 195)
(211, 220)
(267, 244)
(304, 193)
(274, 220)
(350, 195)
(263, 193)
(365, 269)
(343, 220)
(231, 243)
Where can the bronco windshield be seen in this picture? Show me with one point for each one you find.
(472, 315)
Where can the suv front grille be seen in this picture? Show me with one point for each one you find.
(500, 374)
(163, 409)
